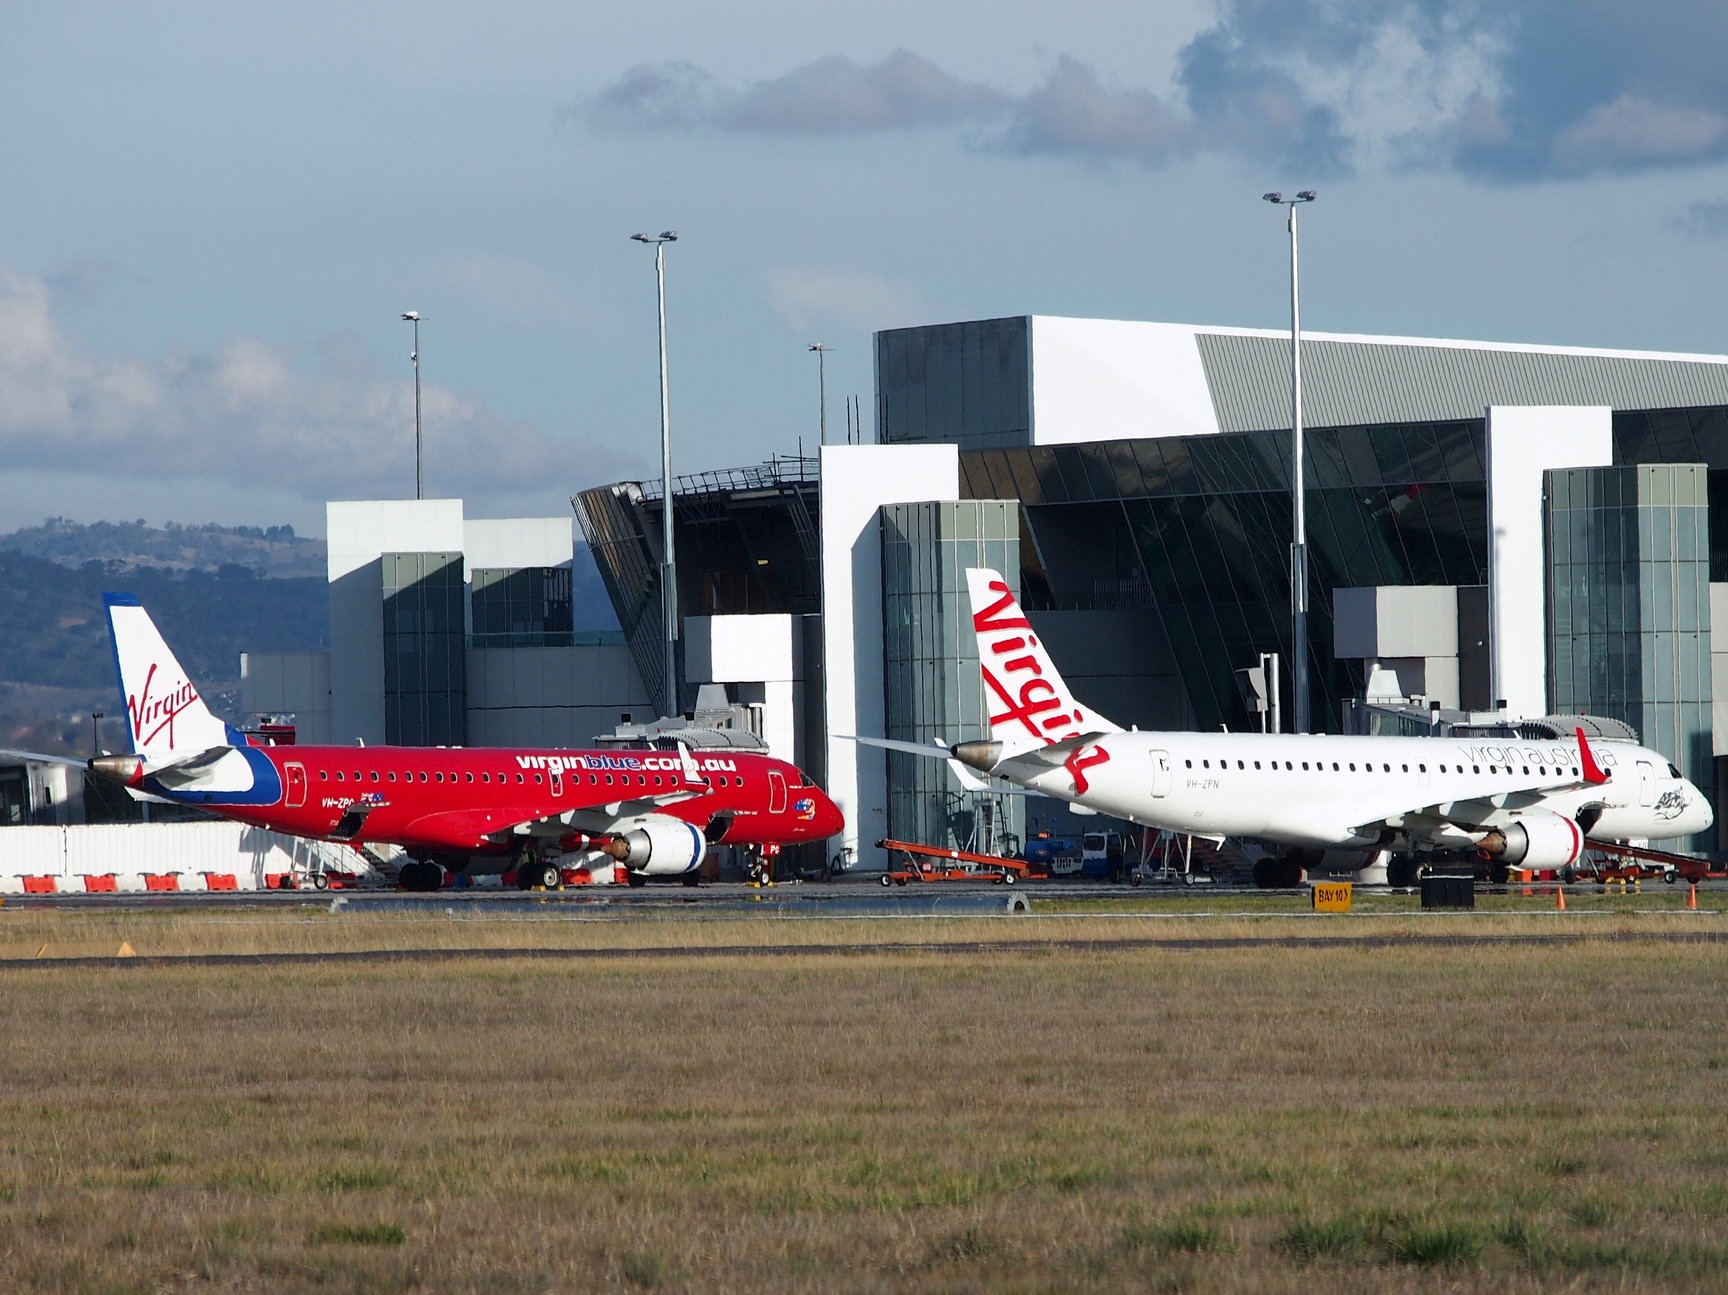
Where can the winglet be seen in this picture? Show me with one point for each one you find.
(688, 768)
(1594, 774)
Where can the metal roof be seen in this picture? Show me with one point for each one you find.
(1351, 382)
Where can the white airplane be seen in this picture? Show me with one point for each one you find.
(1345, 802)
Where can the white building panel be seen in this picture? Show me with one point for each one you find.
(1523, 442)
(1112, 379)
(759, 657)
(516, 542)
(358, 531)
(856, 481)
(289, 683)
(1395, 621)
(740, 649)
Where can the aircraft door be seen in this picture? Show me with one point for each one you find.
(295, 777)
(776, 792)
(557, 777)
(1646, 783)
(1160, 773)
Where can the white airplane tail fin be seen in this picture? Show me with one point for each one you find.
(167, 720)
(1030, 706)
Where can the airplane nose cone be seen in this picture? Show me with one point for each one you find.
(829, 820)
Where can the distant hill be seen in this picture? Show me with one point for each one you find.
(274, 552)
(215, 591)
(55, 663)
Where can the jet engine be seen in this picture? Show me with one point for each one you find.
(661, 847)
(1545, 840)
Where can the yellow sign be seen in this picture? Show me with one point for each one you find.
(1332, 896)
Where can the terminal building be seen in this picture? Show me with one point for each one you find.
(1498, 532)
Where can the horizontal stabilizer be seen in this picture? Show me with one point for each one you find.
(38, 757)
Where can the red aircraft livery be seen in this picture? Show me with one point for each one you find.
(453, 809)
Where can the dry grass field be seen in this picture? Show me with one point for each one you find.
(1472, 1117)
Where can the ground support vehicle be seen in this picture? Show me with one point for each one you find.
(935, 863)
(1611, 862)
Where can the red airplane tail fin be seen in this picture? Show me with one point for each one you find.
(1594, 774)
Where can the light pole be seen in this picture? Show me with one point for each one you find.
(1298, 512)
(413, 317)
(668, 574)
(821, 388)
(95, 732)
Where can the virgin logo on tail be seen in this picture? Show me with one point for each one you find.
(161, 711)
(1007, 644)
(1078, 762)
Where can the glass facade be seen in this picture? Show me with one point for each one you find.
(932, 688)
(521, 607)
(1198, 528)
(1698, 435)
(1629, 603)
(745, 541)
(967, 384)
(425, 689)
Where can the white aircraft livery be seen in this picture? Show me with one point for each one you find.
(1350, 802)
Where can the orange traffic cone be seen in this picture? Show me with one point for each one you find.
(1692, 896)
(1559, 899)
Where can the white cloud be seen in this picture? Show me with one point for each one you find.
(247, 413)
(1520, 91)
(1633, 130)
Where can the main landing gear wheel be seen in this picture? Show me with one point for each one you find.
(549, 876)
(1277, 874)
(691, 879)
(419, 875)
(636, 878)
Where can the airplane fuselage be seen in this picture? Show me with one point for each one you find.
(469, 799)
(1331, 791)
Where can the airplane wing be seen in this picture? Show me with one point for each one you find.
(38, 757)
(968, 780)
(1480, 801)
(475, 829)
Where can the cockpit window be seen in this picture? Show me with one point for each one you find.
(1674, 773)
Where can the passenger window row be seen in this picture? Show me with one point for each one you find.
(1319, 766)
(623, 779)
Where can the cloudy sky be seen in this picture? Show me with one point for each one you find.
(212, 213)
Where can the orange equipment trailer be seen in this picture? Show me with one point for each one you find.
(934, 863)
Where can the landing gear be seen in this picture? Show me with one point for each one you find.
(420, 875)
(691, 879)
(549, 876)
(636, 878)
(1401, 872)
(1282, 873)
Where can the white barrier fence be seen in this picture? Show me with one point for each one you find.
(158, 856)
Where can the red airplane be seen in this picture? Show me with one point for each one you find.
(453, 810)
